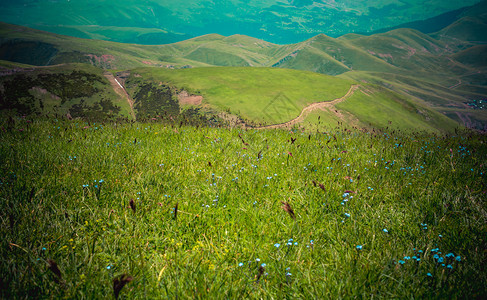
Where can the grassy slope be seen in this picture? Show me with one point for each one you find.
(256, 94)
(56, 207)
(272, 96)
(408, 61)
(431, 95)
(382, 108)
(51, 101)
(376, 107)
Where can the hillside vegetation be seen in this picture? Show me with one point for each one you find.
(435, 74)
(79, 90)
(176, 211)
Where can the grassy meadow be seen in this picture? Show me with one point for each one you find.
(161, 210)
(260, 95)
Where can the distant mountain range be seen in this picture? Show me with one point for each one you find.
(167, 21)
(444, 70)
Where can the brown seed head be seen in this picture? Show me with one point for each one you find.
(54, 268)
(288, 209)
(132, 205)
(119, 283)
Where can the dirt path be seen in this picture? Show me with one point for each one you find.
(312, 107)
(118, 88)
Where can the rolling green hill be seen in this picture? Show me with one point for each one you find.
(255, 96)
(423, 69)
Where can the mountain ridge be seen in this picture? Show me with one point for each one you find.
(428, 66)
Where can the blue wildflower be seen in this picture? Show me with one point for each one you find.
(429, 275)
(240, 264)
(385, 230)
(458, 258)
(277, 245)
(359, 247)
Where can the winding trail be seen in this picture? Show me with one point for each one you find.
(119, 89)
(312, 107)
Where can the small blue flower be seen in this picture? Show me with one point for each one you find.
(347, 215)
(385, 230)
(402, 262)
(429, 275)
(257, 259)
(240, 264)
(263, 265)
(440, 260)
(288, 274)
(277, 245)
(295, 243)
(458, 258)
(449, 267)
(109, 267)
(359, 247)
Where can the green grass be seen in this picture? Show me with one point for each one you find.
(380, 108)
(66, 188)
(321, 119)
(260, 95)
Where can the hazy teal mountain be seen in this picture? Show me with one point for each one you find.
(166, 21)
